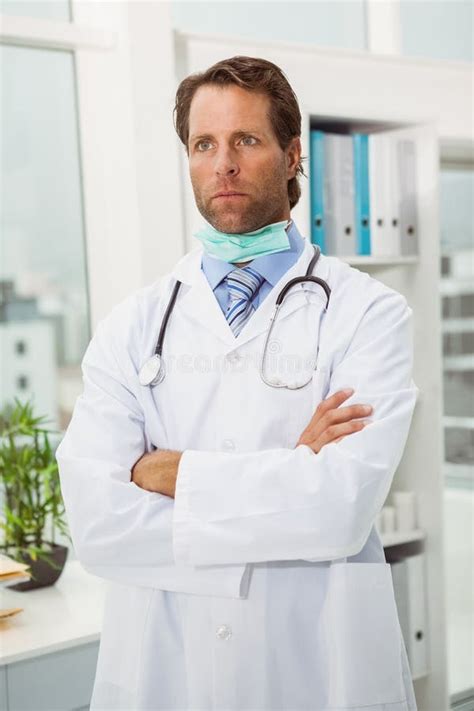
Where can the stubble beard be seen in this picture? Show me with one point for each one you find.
(252, 214)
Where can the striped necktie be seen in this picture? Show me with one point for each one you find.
(242, 284)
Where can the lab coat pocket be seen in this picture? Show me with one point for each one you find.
(363, 640)
(319, 384)
(302, 403)
(119, 662)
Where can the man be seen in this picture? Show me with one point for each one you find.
(244, 568)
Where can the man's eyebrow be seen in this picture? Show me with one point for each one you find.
(240, 132)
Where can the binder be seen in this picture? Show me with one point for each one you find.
(317, 189)
(409, 583)
(339, 208)
(383, 236)
(406, 166)
(362, 197)
(378, 194)
(394, 196)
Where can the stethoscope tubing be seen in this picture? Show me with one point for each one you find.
(308, 277)
(155, 363)
(169, 308)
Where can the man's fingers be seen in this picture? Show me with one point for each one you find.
(335, 400)
(325, 407)
(334, 433)
(344, 414)
(331, 422)
(319, 423)
(331, 404)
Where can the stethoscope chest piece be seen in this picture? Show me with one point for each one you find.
(152, 372)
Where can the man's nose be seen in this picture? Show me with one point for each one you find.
(226, 163)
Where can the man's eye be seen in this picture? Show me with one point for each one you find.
(245, 138)
(200, 144)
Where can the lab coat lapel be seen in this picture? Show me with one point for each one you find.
(196, 299)
(198, 302)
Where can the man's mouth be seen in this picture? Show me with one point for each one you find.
(230, 195)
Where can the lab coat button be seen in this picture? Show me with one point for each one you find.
(224, 632)
(233, 357)
(228, 444)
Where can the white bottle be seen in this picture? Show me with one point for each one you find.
(405, 510)
(379, 523)
(388, 519)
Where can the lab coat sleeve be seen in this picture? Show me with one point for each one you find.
(120, 531)
(290, 504)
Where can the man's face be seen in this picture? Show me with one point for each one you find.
(232, 148)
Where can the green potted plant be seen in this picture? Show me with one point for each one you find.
(30, 492)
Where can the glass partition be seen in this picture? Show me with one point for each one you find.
(44, 314)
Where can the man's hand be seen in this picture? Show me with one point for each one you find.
(157, 471)
(330, 423)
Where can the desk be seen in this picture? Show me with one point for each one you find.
(48, 652)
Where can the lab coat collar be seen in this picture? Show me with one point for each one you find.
(197, 301)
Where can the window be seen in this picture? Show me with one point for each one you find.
(44, 315)
(457, 297)
(437, 29)
(41, 9)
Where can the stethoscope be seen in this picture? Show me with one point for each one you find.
(153, 371)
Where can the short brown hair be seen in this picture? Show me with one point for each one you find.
(252, 74)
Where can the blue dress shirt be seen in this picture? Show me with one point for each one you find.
(270, 266)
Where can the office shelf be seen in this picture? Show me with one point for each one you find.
(458, 325)
(454, 287)
(398, 537)
(361, 260)
(458, 421)
(459, 363)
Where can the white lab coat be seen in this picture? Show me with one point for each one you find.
(263, 584)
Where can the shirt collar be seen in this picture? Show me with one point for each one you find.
(270, 266)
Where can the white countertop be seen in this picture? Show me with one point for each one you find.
(63, 615)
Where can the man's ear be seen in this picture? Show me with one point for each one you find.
(293, 155)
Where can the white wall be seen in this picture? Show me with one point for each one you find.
(333, 23)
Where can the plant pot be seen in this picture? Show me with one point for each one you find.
(42, 573)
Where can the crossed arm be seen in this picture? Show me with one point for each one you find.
(302, 506)
(299, 506)
(158, 471)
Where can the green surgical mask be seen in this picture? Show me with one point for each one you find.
(247, 246)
